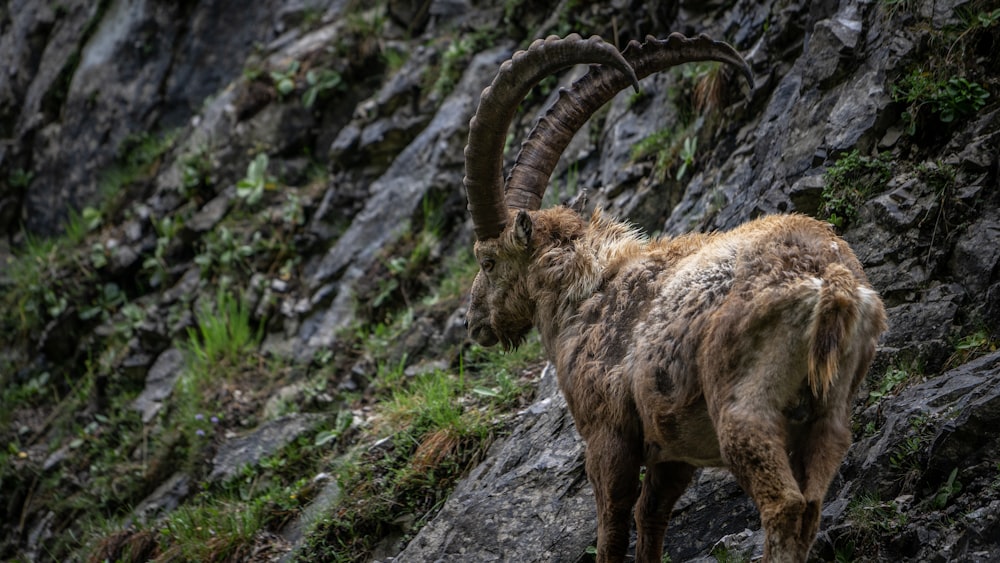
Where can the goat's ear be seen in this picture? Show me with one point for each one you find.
(522, 229)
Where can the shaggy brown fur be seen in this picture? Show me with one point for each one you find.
(740, 349)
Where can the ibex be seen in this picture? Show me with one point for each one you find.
(740, 349)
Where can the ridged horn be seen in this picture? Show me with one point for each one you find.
(497, 105)
(549, 137)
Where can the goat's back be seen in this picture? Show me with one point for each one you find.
(777, 313)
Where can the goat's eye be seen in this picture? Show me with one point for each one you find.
(487, 265)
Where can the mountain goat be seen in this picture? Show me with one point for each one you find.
(740, 349)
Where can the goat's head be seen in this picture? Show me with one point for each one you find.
(501, 308)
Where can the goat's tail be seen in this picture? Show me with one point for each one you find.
(834, 321)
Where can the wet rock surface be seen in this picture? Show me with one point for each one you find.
(360, 208)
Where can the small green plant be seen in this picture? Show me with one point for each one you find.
(890, 382)
(224, 251)
(948, 99)
(505, 393)
(81, 223)
(905, 456)
(868, 513)
(949, 489)
(284, 81)
(224, 334)
(166, 229)
(20, 178)
(34, 285)
(394, 58)
(196, 170)
(972, 346)
(904, 452)
(137, 159)
(428, 402)
(844, 553)
(251, 187)
(987, 20)
(688, 150)
(726, 554)
(849, 182)
(367, 19)
(974, 22)
(452, 61)
(319, 82)
(663, 145)
(213, 531)
(108, 300)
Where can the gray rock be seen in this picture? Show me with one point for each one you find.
(977, 254)
(259, 443)
(434, 158)
(209, 215)
(947, 423)
(142, 65)
(529, 501)
(167, 497)
(159, 383)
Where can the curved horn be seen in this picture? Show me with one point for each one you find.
(497, 105)
(548, 139)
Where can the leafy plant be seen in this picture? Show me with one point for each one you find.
(958, 97)
(688, 150)
(108, 300)
(81, 223)
(451, 65)
(224, 251)
(319, 82)
(972, 346)
(987, 19)
(950, 488)
(947, 99)
(20, 178)
(35, 290)
(851, 181)
(284, 81)
(889, 383)
(905, 455)
(251, 187)
(166, 230)
(726, 554)
(663, 145)
(196, 169)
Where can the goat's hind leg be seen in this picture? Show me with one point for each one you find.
(756, 451)
(816, 461)
(663, 484)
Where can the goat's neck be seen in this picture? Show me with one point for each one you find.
(568, 274)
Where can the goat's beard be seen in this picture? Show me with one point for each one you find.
(510, 342)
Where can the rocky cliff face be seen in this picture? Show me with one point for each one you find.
(237, 249)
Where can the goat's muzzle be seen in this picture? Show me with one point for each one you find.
(482, 333)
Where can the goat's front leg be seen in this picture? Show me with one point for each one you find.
(663, 484)
(613, 470)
